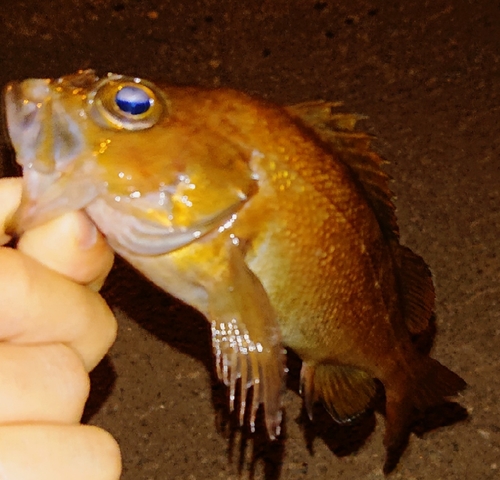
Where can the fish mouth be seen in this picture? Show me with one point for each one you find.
(44, 135)
(24, 117)
(50, 148)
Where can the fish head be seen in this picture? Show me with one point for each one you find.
(127, 152)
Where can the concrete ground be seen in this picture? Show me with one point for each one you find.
(427, 74)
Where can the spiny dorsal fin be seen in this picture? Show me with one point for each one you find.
(353, 148)
(346, 392)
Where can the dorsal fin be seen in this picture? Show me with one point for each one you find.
(417, 290)
(353, 148)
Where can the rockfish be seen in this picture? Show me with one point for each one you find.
(275, 222)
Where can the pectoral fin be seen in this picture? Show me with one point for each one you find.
(247, 342)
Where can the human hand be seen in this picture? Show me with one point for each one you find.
(54, 329)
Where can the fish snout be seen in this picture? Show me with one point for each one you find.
(23, 102)
(24, 109)
(34, 90)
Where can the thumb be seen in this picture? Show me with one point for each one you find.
(71, 245)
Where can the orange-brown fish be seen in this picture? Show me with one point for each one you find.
(276, 223)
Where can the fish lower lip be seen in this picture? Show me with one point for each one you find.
(47, 196)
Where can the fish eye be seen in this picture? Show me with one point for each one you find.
(133, 100)
(126, 103)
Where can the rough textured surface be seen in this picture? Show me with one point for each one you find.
(428, 76)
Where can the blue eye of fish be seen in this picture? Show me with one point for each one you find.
(126, 103)
(133, 100)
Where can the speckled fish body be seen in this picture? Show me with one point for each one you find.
(276, 223)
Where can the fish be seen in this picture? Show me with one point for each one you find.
(276, 222)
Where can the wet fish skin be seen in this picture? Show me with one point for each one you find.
(275, 222)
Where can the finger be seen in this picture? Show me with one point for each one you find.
(10, 198)
(37, 305)
(69, 244)
(72, 246)
(58, 452)
(44, 383)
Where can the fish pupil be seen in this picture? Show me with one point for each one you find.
(133, 100)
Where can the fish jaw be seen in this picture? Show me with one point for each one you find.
(47, 196)
(46, 120)
(128, 233)
(58, 169)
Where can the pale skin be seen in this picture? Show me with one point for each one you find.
(54, 329)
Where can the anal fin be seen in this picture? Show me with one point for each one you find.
(345, 391)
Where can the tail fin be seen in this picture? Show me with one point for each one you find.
(437, 383)
(431, 385)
